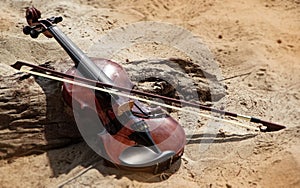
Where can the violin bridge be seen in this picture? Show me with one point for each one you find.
(125, 107)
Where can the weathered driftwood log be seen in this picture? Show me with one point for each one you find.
(34, 117)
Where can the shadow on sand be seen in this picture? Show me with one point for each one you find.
(61, 131)
(68, 150)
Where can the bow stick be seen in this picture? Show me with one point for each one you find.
(92, 84)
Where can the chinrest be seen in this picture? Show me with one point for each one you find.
(141, 156)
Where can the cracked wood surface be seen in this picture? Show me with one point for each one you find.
(33, 116)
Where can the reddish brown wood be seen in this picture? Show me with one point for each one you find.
(165, 131)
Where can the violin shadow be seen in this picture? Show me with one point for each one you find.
(60, 129)
(207, 138)
(107, 169)
(65, 147)
(76, 156)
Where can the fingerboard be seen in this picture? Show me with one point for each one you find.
(82, 62)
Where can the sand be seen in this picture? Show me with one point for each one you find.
(256, 48)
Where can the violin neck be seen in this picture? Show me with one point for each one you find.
(83, 63)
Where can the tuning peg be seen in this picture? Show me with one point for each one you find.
(55, 20)
(34, 33)
(58, 19)
(27, 30)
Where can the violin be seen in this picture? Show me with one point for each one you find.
(110, 118)
(123, 131)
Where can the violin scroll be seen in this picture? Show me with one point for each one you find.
(37, 26)
(32, 15)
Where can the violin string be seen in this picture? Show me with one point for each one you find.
(116, 92)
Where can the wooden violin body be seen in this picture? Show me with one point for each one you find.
(123, 131)
(114, 136)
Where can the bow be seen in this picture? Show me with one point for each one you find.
(122, 91)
